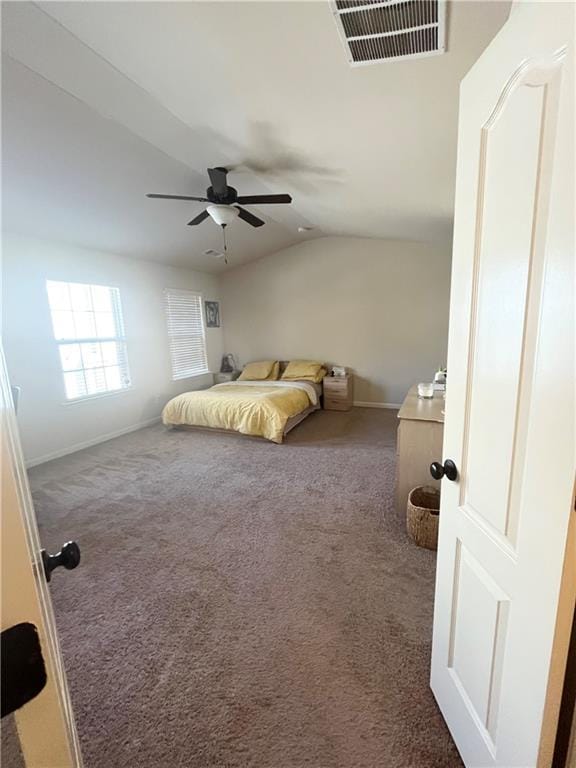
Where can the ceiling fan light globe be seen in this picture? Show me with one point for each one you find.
(222, 214)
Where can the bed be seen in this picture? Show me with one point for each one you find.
(268, 409)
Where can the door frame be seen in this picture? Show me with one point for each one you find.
(562, 648)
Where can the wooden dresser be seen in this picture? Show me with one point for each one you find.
(420, 435)
(338, 392)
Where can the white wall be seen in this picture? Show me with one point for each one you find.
(49, 426)
(380, 307)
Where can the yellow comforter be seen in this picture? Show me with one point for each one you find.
(253, 408)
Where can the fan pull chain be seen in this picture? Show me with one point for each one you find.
(225, 246)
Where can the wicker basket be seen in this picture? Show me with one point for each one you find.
(422, 516)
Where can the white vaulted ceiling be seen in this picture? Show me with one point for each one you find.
(106, 101)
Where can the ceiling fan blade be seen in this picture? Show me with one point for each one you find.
(260, 199)
(249, 217)
(179, 197)
(199, 219)
(218, 181)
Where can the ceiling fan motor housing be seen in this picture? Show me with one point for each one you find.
(228, 199)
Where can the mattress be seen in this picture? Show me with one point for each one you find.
(263, 409)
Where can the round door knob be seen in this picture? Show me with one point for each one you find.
(448, 469)
(68, 557)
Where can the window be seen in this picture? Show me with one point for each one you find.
(186, 333)
(87, 323)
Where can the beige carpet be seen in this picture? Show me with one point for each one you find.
(244, 604)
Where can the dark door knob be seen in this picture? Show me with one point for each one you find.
(438, 470)
(68, 557)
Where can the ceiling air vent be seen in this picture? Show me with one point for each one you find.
(213, 254)
(383, 30)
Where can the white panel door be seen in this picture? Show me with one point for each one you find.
(45, 724)
(510, 400)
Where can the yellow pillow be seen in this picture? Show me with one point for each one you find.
(316, 378)
(303, 369)
(258, 371)
(273, 375)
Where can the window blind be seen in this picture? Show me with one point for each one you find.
(186, 335)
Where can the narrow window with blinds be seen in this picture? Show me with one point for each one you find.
(186, 333)
(89, 331)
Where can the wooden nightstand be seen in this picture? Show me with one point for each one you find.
(338, 392)
(222, 377)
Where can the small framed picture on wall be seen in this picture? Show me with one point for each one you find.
(212, 309)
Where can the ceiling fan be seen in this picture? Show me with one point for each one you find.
(225, 202)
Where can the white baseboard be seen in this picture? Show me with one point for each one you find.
(391, 406)
(89, 443)
(148, 423)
